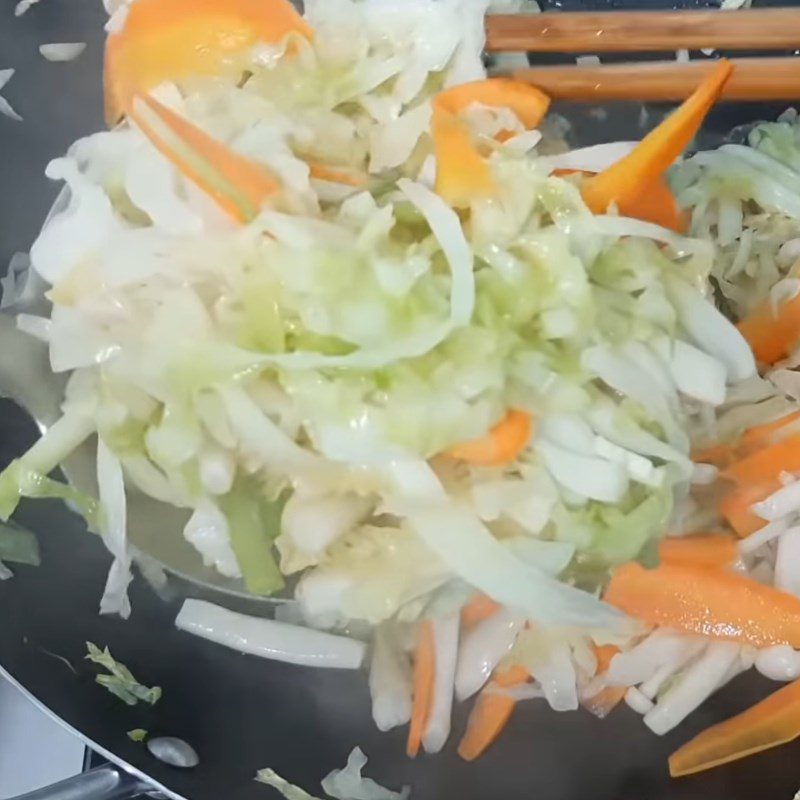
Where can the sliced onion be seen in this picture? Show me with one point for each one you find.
(269, 639)
(787, 562)
(779, 663)
(62, 51)
(587, 476)
(389, 681)
(481, 650)
(779, 504)
(696, 684)
(111, 486)
(710, 330)
(591, 159)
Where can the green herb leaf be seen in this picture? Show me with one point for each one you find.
(120, 681)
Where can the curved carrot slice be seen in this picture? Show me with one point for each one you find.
(479, 608)
(772, 336)
(626, 180)
(168, 40)
(322, 172)
(773, 721)
(606, 700)
(766, 465)
(502, 444)
(240, 186)
(604, 653)
(706, 601)
(461, 173)
(709, 550)
(490, 713)
(720, 455)
(769, 433)
(735, 506)
(655, 203)
(527, 102)
(424, 672)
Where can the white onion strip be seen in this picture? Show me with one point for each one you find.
(695, 685)
(389, 681)
(269, 639)
(785, 501)
(481, 651)
(62, 51)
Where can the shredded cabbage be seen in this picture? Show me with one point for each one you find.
(119, 680)
(298, 382)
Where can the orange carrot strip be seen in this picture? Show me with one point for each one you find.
(764, 435)
(773, 721)
(169, 40)
(604, 653)
(766, 464)
(606, 700)
(772, 336)
(626, 180)
(240, 186)
(527, 102)
(720, 455)
(502, 444)
(710, 550)
(735, 506)
(461, 174)
(479, 608)
(424, 672)
(490, 713)
(706, 601)
(322, 172)
(655, 203)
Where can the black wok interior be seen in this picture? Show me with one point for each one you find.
(241, 713)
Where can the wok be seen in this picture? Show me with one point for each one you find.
(238, 712)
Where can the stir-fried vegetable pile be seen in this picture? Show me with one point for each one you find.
(321, 286)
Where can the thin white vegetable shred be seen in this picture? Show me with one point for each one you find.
(403, 395)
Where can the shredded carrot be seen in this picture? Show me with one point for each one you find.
(479, 608)
(766, 465)
(502, 444)
(772, 722)
(772, 336)
(710, 550)
(604, 653)
(527, 102)
(735, 506)
(706, 601)
(769, 433)
(625, 181)
(655, 203)
(322, 172)
(490, 713)
(606, 700)
(168, 41)
(720, 455)
(461, 173)
(240, 186)
(424, 675)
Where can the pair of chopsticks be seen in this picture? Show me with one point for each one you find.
(771, 78)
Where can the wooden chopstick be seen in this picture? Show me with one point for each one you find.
(627, 31)
(752, 79)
